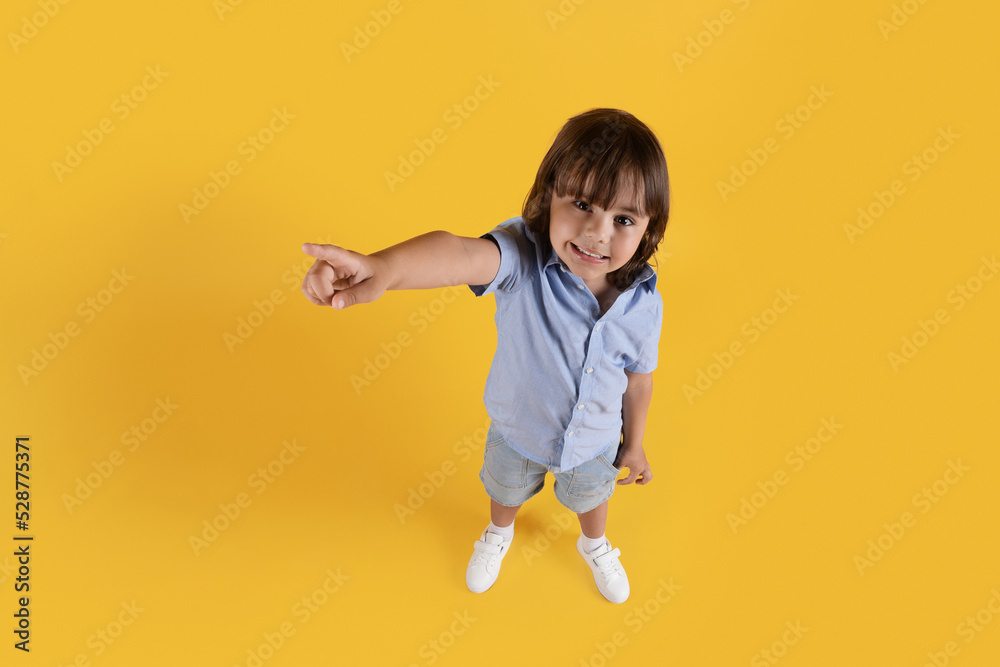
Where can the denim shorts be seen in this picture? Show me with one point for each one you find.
(510, 478)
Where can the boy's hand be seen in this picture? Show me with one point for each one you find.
(341, 277)
(634, 458)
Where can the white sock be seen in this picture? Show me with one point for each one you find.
(589, 544)
(507, 532)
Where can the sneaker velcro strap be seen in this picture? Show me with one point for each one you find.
(487, 547)
(613, 554)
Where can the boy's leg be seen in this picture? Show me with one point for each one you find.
(501, 515)
(579, 488)
(608, 573)
(594, 522)
(492, 546)
(508, 478)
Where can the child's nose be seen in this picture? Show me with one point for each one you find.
(599, 228)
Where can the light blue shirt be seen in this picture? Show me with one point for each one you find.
(556, 383)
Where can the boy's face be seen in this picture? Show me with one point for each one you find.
(594, 242)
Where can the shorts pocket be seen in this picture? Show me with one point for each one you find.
(493, 437)
(594, 479)
(505, 467)
(609, 463)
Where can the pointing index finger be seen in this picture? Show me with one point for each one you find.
(331, 253)
(317, 250)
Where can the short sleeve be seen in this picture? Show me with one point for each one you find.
(517, 252)
(649, 354)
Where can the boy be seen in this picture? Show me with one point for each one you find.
(578, 322)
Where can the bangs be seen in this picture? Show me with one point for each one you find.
(616, 171)
(604, 185)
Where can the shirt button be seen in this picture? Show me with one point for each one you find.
(597, 327)
(580, 286)
(569, 434)
(589, 371)
(581, 406)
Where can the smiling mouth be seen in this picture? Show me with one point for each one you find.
(587, 255)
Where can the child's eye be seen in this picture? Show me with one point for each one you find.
(625, 220)
(582, 205)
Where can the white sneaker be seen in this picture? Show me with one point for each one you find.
(609, 575)
(484, 566)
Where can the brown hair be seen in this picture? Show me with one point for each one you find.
(595, 155)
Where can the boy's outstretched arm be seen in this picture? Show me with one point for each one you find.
(635, 407)
(342, 278)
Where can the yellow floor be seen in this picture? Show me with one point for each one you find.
(221, 473)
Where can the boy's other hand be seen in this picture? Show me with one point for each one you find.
(634, 459)
(340, 277)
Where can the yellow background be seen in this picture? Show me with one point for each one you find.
(365, 450)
